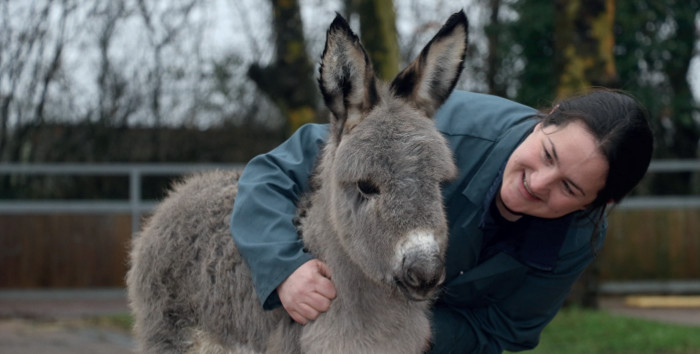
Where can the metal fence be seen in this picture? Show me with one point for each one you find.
(666, 202)
(136, 206)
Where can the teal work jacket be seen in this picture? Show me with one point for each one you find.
(486, 306)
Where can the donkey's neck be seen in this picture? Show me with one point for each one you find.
(322, 240)
(373, 312)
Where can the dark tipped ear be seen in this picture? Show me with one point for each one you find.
(346, 78)
(430, 79)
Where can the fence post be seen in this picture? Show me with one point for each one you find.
(135, 199)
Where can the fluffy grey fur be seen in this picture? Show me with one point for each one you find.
(375, 216)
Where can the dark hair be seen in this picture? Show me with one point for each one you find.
(620, 125)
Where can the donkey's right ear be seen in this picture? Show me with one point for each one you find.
(346, 78)
(429, 80)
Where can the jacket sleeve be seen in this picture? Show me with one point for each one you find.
(263, 212)
(516, 322)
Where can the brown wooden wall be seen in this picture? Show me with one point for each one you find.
(63, 251)
(652, 244)
(76, 251)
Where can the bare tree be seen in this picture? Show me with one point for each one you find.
(231, 94)
(288, 81)
(114, 99)
(29, 66)
(112, 64)
(165, 28)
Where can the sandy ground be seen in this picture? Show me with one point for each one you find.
(689, 316)
(59, 322)
(24, 336)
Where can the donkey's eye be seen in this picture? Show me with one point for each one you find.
(367, 188)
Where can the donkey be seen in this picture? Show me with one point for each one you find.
(374, 215)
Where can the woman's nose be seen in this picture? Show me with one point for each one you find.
(541, 181)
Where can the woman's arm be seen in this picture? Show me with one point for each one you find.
(261, 223)
(516, 322)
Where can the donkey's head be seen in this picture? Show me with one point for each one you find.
(385, 161)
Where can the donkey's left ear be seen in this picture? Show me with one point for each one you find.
(346, 78)
(430, 79)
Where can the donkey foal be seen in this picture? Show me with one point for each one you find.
(374, 214)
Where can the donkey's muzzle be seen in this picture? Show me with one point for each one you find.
(420, 276)
(419, 267)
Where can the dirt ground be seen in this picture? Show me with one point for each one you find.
(61, 322)
(689, 316)
(44, 336)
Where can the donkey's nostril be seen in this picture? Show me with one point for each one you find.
(412, 279)
(422, 273)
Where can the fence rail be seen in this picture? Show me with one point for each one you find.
(136, 206)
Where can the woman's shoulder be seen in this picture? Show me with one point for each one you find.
(585, 236)
(480, 115)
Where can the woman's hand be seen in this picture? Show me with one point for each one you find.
(307, 292)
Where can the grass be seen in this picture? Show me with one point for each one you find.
(584, 331)
(122, 321)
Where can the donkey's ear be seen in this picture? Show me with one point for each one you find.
(430, 79)
(346, 78)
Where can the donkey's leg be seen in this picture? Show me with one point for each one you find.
(206, 344)
(285, 338)
(162, 331)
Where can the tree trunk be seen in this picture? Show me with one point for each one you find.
(685, 143)
(289, 80)
(493, 61)
(584, 42)
(379, 36)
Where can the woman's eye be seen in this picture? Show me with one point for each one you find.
(367, 188)
(568, 188)
(547, 155)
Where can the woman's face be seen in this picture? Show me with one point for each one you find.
(555, 171)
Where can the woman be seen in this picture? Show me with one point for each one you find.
(526, 213)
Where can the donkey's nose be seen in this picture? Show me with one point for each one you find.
(422, 273)
(419, 267)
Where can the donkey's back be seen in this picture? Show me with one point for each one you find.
(188, 285)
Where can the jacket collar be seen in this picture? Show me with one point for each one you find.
(479, 185)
